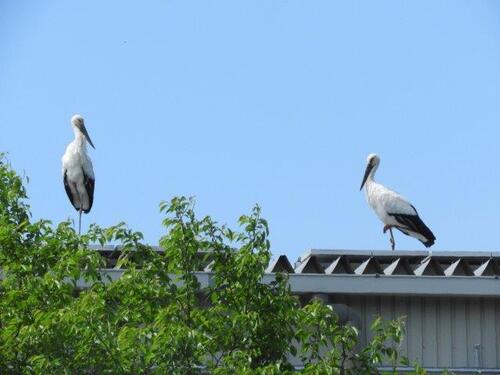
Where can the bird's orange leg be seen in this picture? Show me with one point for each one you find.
(393, 243)
(79, 221)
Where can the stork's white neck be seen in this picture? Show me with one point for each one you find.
(80, 139)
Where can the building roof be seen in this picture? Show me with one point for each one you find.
(412, 263)
(378, 272)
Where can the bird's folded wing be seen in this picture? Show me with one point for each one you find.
(89, 186)
(395, 203)
(68, 190)
(414, 224)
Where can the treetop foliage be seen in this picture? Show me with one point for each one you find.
(156, 318)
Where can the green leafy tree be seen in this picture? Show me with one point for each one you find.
(61, 314)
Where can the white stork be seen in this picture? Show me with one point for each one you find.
(78, 174)
(394, 210)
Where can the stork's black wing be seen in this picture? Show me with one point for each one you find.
(68, 191)
(89, 183)
(414, 224)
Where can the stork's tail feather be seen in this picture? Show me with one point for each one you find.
(413, 224)
(428, 243)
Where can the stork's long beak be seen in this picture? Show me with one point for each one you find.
(87, 136)
(369, 168)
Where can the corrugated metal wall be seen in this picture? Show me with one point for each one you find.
(441, 332)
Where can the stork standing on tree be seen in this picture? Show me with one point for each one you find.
(393, 209)
(77, 170)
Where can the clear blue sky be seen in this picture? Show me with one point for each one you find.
(269, 102)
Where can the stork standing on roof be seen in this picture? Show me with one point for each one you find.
(77, 170)
(394, 210)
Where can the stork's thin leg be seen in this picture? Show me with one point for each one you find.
(79, 221)
(393, 244)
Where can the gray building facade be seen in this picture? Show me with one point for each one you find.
(450, 300)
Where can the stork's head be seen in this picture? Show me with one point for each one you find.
(77, 120)
(78, 123)
(373, 159)
(372, 162)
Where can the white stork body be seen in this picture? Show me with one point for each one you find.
(77, 170)
(393, 209)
